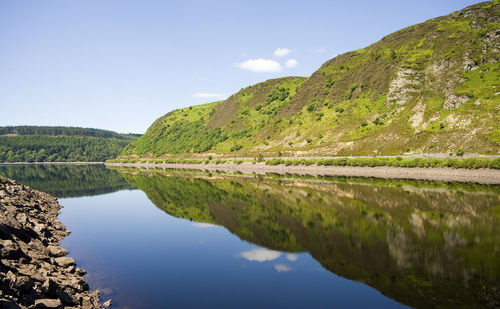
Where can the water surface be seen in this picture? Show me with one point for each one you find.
(191, 239)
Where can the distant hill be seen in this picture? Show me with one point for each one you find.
(60, 144)
(430, 88)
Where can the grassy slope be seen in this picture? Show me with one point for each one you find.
(428, 88)
(241, 122)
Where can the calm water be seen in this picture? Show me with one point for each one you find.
(171, 239)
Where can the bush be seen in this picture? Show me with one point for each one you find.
(311, 107)
(471, 163)
(236, 147)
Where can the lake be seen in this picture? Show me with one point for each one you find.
(184, 239)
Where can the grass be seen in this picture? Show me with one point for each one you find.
(467, 163)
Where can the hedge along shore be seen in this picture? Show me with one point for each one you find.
(34, 271)
(482, 176)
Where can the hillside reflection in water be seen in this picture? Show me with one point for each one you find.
(422, 244)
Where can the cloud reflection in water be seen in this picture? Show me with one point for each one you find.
(282, 268)
(260, 255)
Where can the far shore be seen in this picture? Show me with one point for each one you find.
(482, 176)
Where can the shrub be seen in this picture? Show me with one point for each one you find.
(236, 147)
(311, 107)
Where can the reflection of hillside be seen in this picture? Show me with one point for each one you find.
(422, 247)
(67, 180)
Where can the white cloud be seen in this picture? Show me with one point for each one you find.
(292, 257)
(282, 52)
(260, 65)
(208, 95)
(290, 63)
(203, 225)
(282, 268)
(260, 255)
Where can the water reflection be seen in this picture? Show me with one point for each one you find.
(64, 181)
(423, 244)
(282, 268)
(260, 255)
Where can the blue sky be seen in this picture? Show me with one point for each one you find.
(120, 64)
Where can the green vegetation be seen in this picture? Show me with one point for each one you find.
(60, 144)
(228, 126)
(428, 88)
(63, 131)
(64, 181)
(469, 163)
(411, 229)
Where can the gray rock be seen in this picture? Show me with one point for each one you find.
(56, 251)
(65, 261)
(22, 218)
(34, 271)
(47, 303)
(49, 287)
(10, 250)
(107, 303)
(68, 296)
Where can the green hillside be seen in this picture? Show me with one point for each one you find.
(430, 88)
(60, 144)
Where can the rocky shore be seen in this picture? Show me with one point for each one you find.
(34, 271)
(482, 176)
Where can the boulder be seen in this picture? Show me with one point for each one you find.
(47, 303)
(56, 251)
(65, 261)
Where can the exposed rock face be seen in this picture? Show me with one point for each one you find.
(34, 272)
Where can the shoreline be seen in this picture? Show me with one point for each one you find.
(34, 269)
(481, 176)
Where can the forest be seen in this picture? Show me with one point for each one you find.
(60, 144)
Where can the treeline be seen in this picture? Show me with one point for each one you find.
(65, 131)
(42, 148)
(60, 144)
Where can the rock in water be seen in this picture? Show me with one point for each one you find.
(34, 272)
